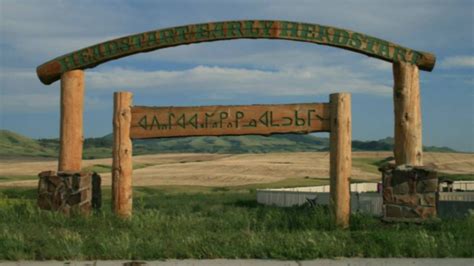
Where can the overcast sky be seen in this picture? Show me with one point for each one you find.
(240, 71)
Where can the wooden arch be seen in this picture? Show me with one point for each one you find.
(97, 54)
(406, 65)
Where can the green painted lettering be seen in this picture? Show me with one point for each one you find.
(96, 52)
(170, 116)
(298, 121)
(308, 31)
(67, 62)
(383, 49)
(193, 121)
(137, 41)
(399, 54)
(266, 25)
(155, 123)
(252, 123)
(143, 122)
(321, 118)
(181, 121)
(271, 121)
(182, 33)
(355, 40)
(250, 30)
(233, 29)
(291, 28)
(370, 44)
(151, 38)
(341, 37)
(82, 57)
(264, 119)
(110, 48)
(222, 117)
(414, 57)
(206, 119)
(166, 36)
(289, 119)
(309, 116)
(322, 34)
(202, 31)
(124, 44)
(238, 116)
(217, 31)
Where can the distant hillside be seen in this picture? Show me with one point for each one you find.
(386, 144)
(225, 144)
(13, 144)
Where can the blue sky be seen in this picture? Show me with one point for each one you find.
(240, 71)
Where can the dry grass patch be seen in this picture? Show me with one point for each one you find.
(220, 170)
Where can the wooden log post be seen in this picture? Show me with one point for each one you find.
(71, 132)
(406, 97)
(340, 158)
(122, 156)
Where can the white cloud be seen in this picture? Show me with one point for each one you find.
(22, 92)
(414, 24)
(462, 61)
(250, 53)
(30, 103)
(19, 80)
(39, 102)
(238, 81)
(376, 64)
(42, 30)
(32, 32)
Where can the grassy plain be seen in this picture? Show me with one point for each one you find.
(204, 206)
(206, 222)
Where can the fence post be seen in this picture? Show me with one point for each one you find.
(122, 156)
(340, 157)
(406, 98)
(71, 133)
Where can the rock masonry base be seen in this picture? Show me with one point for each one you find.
(409, 193)
(69, 192)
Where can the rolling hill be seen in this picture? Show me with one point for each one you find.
(225, 144)
(13, 144)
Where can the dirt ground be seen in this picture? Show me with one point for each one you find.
(231, 169)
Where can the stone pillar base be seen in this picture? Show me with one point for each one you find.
(69, 192)
(409, 193)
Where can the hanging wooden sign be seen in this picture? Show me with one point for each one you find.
(158, 122)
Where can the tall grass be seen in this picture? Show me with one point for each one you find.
(215, 224)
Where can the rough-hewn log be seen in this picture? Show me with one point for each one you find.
(340, 157)
(100, 53)
(71, 130)
(406, 97)
(122, 155)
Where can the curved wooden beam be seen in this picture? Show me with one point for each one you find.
(100, 53)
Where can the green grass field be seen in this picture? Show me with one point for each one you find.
(214, 223)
